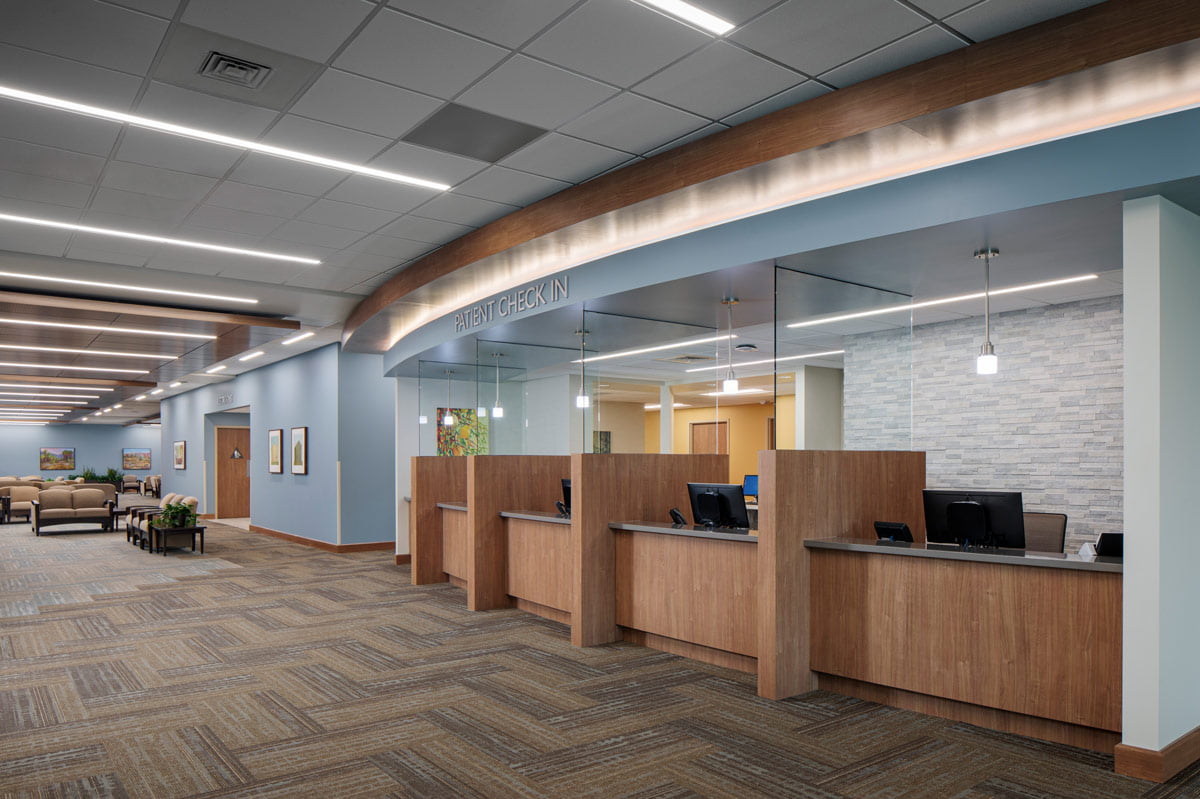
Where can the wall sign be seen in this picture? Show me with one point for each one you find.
(514, 303)
(224, 399)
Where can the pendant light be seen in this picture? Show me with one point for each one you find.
(497, 410)
(987, 363)
(583, 400)
(448, 419)
(730, 384)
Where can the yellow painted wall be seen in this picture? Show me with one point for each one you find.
(747, 433)
(652, 434)
(785, 422)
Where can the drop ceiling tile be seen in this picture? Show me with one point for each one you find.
(943, 8)
(329, 279)
(210, 235)
(321, 138)
(813, 36)
(380, 194)
(364, 104)
(35, 241)
(617, 42)
(192, 262)
(266, 271)
(34, 159)
(510, 186)
(156, 182)
(89, 251)
(565, 158)
(347, 215)
(318, 235)
(423, 162)
(40, 72)
(696, 135)
(536, 93)
(83, 30)
(797, 94)
(408, 52)
(506, 22)
(428, 230)
(217, 218)
(156, 211)
(158, 8)
(313, 32)
(173, 152)
(635, 124)
(718, 80)
(43, 189)
(186, 107)
(737, 11)
(450, 207)
(245, 197)
(925, 43)
(373, 250)
(289, 176)
(55, 129)
(21, 206)
(994, 17)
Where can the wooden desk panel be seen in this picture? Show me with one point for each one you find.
(697, 590)
(1039, 642)
(454, 543)
(539, 562)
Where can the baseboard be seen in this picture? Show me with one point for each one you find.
(402, 560)
(705, 654)
(341, 549)
(206, 515)
(1158, 766)
(545, 611)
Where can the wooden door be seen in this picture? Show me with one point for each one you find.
(233, 477)
(770, 432)
(710, 438)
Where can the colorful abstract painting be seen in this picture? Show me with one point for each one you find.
(467, 436)
(56, 458)
(133, 460)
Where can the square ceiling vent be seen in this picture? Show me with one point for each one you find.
(234, 70)
(475, 134)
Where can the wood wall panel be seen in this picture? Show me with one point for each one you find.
(497, 483)
(434, 479)
(1036, 641)
(817, 494)
(455, 544)
(539, 562)
(624, 487)
(697, 590)
(233, 480)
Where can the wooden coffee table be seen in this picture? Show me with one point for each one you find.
(160, 535)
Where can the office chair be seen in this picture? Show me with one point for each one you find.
(1045, 532)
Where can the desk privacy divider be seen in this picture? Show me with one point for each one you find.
(434, 479)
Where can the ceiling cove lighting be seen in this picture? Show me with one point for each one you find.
(137, 331)
(774, 360)
(128, 287)
(72, 368)
(678, 345)
(44, 394)
(730, 384)
(70, 351)
(287, 342)
(212, 370)
(251, 356)
(211, 136)
(56, 388)
(912, 306)
(129, 234)
(987, 363)
(692, 15)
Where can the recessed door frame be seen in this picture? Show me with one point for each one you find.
(218, 458)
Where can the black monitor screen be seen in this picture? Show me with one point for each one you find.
(1002, 514)
(750, 485)
(718, 504)
(566, 486)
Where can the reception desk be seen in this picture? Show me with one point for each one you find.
(1020, 641)
(538, 563)
(454, 541)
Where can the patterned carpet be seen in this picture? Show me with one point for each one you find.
(268, 669)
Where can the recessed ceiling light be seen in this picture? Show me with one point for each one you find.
(211, 136)
(118, 405)
(176, 384)
(643, 350)
(45, 394)
(911, 306)
(43, 402)
(73, 368)
(252, 355)
(71, 351)
(55, 387)
(212, 370)
(128, 287)
(139, 398)
(691, 14)
(156, 392)
(298, 337)
(773, 360)
(103, 329)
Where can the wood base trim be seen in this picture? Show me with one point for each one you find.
(401, 560)
(457, 582)
(206, 515)
(545, 611)
(993, 718)
(1158, 766)
(704, 654)
(341, 549)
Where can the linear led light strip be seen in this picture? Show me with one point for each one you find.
(73, 368)
(70, 351)
(127, 287)
(772, 360)
(129, 234)
(103, 329)
(210, 136)
(56, 388)
(690, 13)
(45, 394)
(912, 306)
(42, 402)
(675, 346)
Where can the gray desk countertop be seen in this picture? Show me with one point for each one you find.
(1011, 557)
(536, 516)
(688, 531)
(462, 506)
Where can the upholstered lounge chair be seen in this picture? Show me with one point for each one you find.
(58, 506)
(20, 498)
(130, 483)
(135, 516)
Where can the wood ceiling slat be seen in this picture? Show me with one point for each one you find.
(154, 312)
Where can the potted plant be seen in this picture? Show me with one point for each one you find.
(176, 514)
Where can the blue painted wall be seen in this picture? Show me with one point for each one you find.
(98, 446)
(367, 450)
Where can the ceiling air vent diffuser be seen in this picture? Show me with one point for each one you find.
(233, 70)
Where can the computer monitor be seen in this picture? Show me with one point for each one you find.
(718, 505)
(750, 485)
(566, 489)
(1001, 522)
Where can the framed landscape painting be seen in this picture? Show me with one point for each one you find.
(133, 460)
(179, 454)
(275, 451)
(299, 450)
(56, 459)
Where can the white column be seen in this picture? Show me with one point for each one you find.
(800, 404)
(666, 419)
(408, 432)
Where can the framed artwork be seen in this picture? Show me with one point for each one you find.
(299, 450)
(179, 452)
(56, 459)
(275, 451)
(467, 436)
(133, 460)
